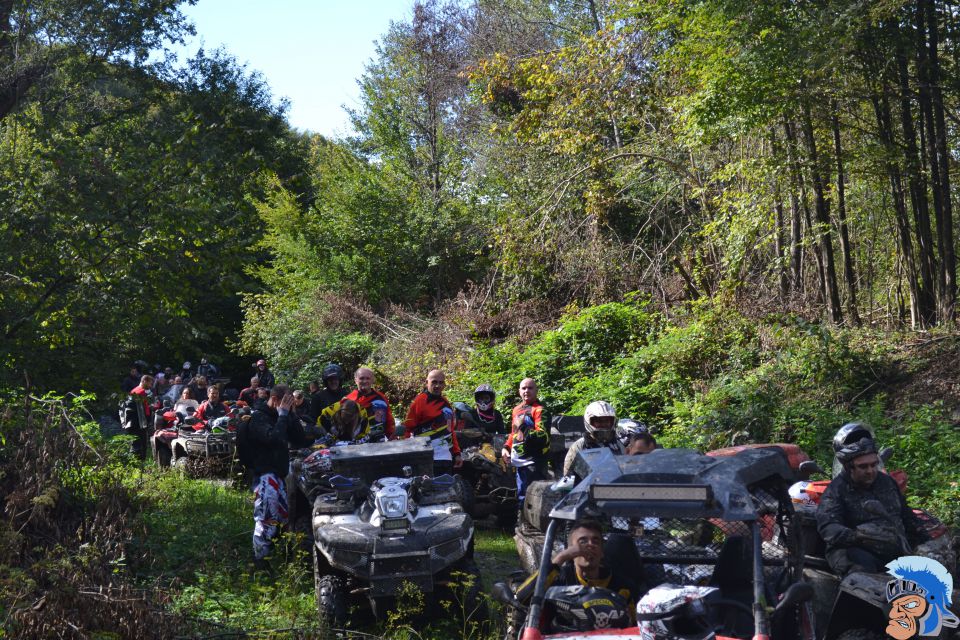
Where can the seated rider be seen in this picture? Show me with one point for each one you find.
(860, 538)
(635, 438)
(346, 421)
(599, 420)
(484, 412)
(212, 408)
(582, 563)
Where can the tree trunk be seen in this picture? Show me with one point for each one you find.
(948, 262)
(926, 259)
(846, 250)
(822, 208)
(796, 222)
(885, 133)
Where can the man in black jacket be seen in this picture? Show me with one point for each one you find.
(262, 446)
(861, 536)
(331, 393)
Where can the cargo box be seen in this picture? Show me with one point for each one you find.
(377, 460)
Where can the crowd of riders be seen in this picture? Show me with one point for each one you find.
(273, 420)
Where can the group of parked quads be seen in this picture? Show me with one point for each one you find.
(718, 537)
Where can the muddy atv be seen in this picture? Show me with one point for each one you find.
(208, 451)
(491, 483)
(696, 532)
(383, 526)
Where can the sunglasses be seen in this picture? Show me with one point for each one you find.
(864, 466)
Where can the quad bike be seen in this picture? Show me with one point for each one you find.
(381, 524)
(698, 530)
(852, 607)
(190, 444)
(491, 482)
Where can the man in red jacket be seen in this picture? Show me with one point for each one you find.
(431, 416)
(365, 394)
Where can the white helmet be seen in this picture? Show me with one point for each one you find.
(600, 409)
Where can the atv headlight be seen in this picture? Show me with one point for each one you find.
(392, 502)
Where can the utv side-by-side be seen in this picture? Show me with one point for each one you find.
(710, 543)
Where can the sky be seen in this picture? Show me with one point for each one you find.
(310, 51)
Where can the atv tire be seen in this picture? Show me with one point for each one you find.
(468, 498)
(162, 456)
(331, 596)
(466, 594)
(506, 517)
(181, 463)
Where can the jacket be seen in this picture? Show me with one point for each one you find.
(366, 400)
(425, 418)
(262, 442)
(841, 511)
(363, 429)
(528, 445)
(587, 442)
(323, 399)
(495, 425)
(208, 411)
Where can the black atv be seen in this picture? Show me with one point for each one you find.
(695, 533)
(381, 524)
(206, 451)
(490, 482)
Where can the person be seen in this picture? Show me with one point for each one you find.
(173, 393)
(378, 421)
(599, 422)
(131, 380)
(199, 386)
(861, 536)
(262, 447)
(267, 379)
(161, 384)
(144, 393)
(186, 401)
(331, 392)
(346, 421)
(249, 395)
(301, 408)
(529, 440)
(635, 437)
(212, 408)
(582, 562)
(365, 394)
(848, 434)
(484, 413)
(431, 416)
(207, 369)
(186, 372)
(262, 399)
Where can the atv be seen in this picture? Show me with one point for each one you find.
(853, 607)
(490, 481)
(381, 524)
(189, 444)
(699, 530)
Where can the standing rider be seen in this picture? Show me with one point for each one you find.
(332, 391)
(431, 416)
(267, 379)
(529, 440)
(599, 421)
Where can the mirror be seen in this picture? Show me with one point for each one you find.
(885, 454)
(808, 468)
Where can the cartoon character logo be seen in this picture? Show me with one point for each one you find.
(919, 597)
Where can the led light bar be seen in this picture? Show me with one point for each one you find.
(652, 492)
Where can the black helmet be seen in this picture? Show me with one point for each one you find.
(853, 450)
(332, 371)
(850, 433)
(485, 388)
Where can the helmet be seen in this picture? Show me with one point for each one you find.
(854, 450)
(849, 433)
(203, 361)
(485, 388)
(628, 429)
(331, 371)
(599, 409)
(187, 365)
(261, 361)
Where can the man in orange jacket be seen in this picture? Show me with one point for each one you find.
(529, 441)
(431, 416)
(365, 394)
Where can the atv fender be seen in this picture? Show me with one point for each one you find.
(861, 603)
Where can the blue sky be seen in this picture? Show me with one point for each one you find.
(311, 52)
